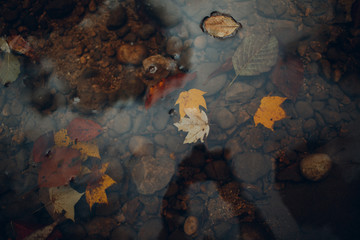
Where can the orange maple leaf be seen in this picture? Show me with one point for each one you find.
(95, 190)
(269, 111)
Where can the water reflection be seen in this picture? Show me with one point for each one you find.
(245, 181)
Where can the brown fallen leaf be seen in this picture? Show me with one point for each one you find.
(220, 25)
(269, 111)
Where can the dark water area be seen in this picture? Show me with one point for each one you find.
(134, 119)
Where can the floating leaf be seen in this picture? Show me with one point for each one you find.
(269, 111)
(42, 146)
(166, 86)
(95, 190)
(62, 198)
(196, 125)
(83, 129)
(9, 68)
(288, 76)
(220, 25)
(256, 54)
(190, 99)
(60, 167)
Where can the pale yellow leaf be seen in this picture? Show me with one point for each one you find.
(196, 124)
(64, 198)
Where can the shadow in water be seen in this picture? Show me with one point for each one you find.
(233, 216)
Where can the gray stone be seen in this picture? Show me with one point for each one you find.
(140, 146)
(241, 92)
(174, 46)
(304, 109)
(151, 229)
(225, 119)
(330, 117)
(121, 123)
(250, 166)
(315, 166)
(175, 143)
(271, 9)
(309, 125)
(151, 175)
(210, 86)
(161, 119)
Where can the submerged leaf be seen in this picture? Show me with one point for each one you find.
(220, 25)
(166, 86)
(95, 190)
(83, 129)
(288, 76)
(269, 111)
(256, 54)
(60, 167)
(9, 68)
(196, 125)
(4, 46)
(190, 99)
(62, 198)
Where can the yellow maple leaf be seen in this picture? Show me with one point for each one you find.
(95, 191)
(62, 139)
(269, 111)
(190, 99)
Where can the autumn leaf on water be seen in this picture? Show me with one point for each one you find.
(61, 199)
(196, 124)
(220, 25)
(62, 139)
(95, 190)
(167, 86)
(190, 99)
(288, 76)
(269, 111)
(83, 129)
(60, 167)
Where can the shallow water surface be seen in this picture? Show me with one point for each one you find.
(124, 120)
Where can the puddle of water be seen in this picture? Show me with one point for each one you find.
(89, 145)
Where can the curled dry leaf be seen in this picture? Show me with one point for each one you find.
(269, 111)
(220, 25)
(196, 124)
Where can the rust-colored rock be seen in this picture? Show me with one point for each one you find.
(131, 54)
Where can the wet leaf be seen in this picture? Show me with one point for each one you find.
(42, 146)
(83, 129)
(9, 68)
(220, 25)
(288, 76)
(62, 139)
(18, 44)
(60, 167)
(95, 190)
(4, 46)
(269, 111)
(196, 124)
(256, 54)
(62, 198)
(190, 99)
(167, 86)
